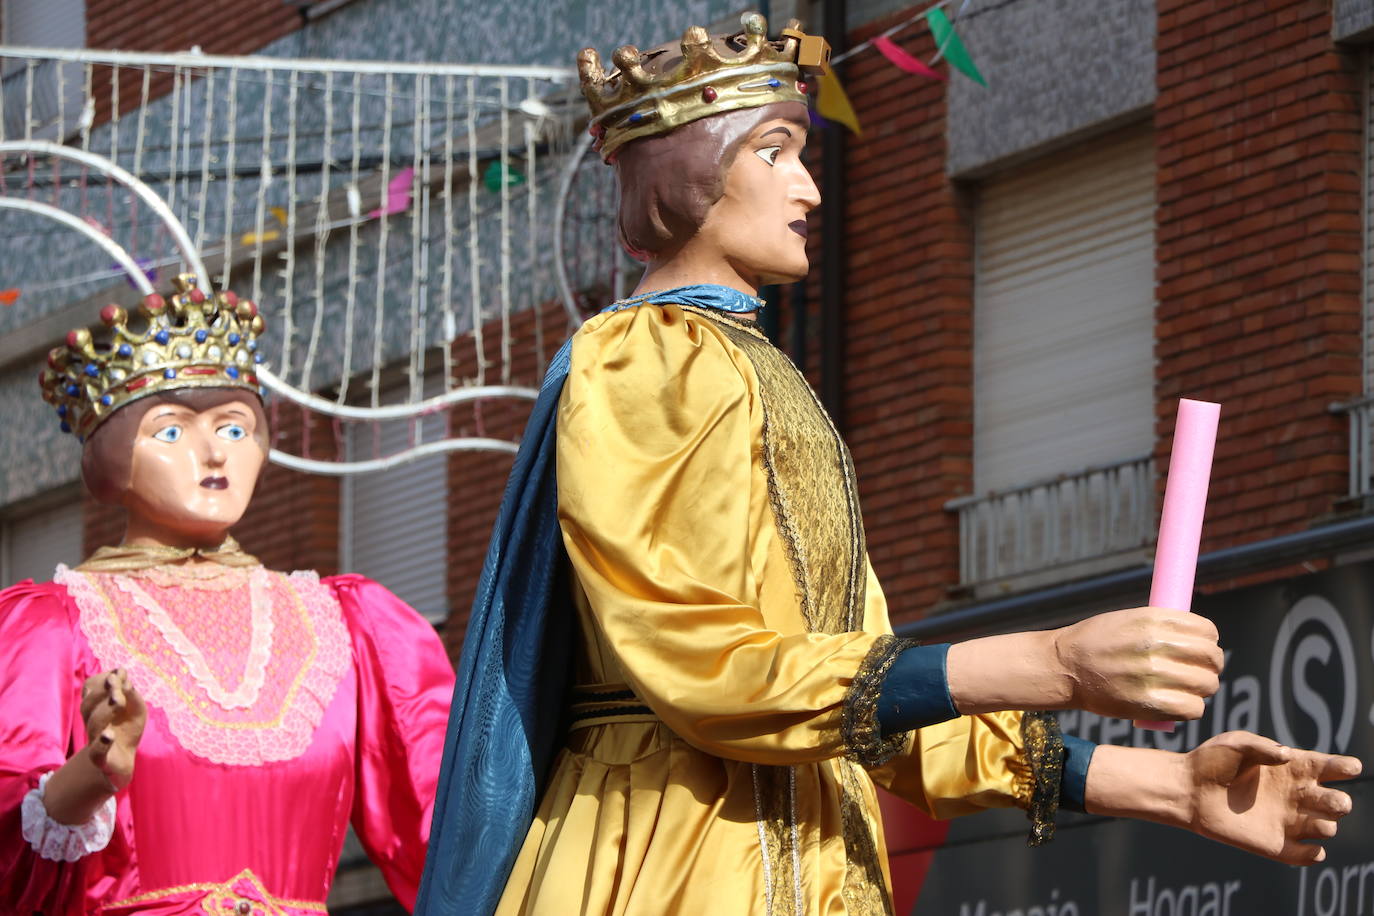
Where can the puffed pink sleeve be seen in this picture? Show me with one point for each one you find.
(405, 685)
(40, 719)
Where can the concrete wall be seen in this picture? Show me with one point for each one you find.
(1056, 71)
(1353, 20)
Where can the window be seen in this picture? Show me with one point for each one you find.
(1063, 360)
(395, 522)
(33, 542)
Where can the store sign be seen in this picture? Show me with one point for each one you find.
(1299, 668)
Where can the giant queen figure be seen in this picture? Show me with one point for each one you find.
(183, 730)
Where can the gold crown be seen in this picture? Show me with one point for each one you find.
(188, 341)
(653, 92)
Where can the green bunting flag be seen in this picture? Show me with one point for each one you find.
(496, 176)
(947, 40)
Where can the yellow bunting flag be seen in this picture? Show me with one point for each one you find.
(270, 235)
(833, 105)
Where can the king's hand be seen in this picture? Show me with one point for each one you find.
(1237, 788)
(1256, 794)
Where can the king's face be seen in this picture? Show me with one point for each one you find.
(194, 471)
(759, 223)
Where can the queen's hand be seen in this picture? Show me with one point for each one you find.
(115, 715)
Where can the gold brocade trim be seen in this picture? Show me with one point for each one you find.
(865, 888)
(602, 704)
(775, 812)
(863, 736)
(128, 557)
(813, 492)
(1044, 744)
(811, 485)
(218, 894)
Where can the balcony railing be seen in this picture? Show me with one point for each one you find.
(1079, 519)
(1361, 416)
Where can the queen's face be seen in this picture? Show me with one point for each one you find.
(759, 223)
(193, 472)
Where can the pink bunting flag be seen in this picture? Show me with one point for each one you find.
(903, 60)
(397, 194)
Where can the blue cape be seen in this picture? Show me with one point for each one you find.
(504, 728)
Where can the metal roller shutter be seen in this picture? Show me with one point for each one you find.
(1064, 313)
(396, 521)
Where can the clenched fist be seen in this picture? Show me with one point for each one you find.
(1143, 663)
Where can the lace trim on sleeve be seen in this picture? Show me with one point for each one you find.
(64, 842)
(863, 736)
(1044, 744)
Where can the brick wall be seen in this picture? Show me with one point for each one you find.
(234, 27)
(224, 27)
(1258, 131)
(907, 360)
(477, 480)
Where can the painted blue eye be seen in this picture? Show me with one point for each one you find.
(168, 434)
(232, 431)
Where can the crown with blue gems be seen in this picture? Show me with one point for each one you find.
(655, 91)
(189, 340)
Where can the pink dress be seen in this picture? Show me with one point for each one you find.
(280, 709)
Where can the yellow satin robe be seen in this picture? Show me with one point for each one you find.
(708, 508)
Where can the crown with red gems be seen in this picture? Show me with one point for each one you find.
(656, 91)
(187, 341)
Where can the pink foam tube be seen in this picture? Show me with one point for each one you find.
(1180, 525)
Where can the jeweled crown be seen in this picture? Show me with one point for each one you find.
(189, 340)
(656, 91)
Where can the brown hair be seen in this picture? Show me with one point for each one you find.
(668, 182)
(107, 457)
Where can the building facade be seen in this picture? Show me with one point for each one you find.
(1148, 201)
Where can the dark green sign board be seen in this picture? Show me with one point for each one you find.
(1300, 668)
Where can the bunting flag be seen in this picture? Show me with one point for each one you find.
(951, 47)
(496, 175)
(397, 194)
(269, 235)
(144, 264)
(833, 104)
(9, 296)
(904, 60)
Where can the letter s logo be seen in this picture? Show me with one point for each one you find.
(1324, 631)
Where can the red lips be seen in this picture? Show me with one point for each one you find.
(215, 483)
(798, 226)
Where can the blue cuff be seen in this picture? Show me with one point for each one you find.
(1073, 784)
(916, 691)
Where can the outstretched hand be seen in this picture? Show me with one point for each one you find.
(1260, 796)
(115, 715)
